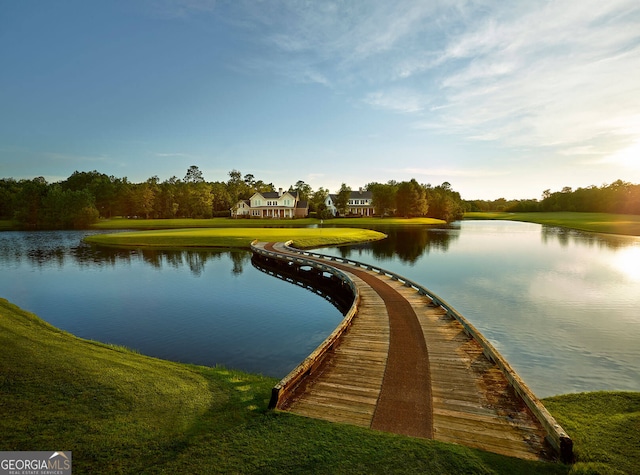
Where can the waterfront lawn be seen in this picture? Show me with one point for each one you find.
(124, 223)
(605, 428)
(594, 222)
(6, 225)
(122, 412)
(235, 237)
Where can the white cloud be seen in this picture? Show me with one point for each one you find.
(559, 76)
(398, 100)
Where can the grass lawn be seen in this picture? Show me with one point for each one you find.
(122, 412)
(6, 225)
(595, 222)
(235, 237)
(605, 428)
(123, 223)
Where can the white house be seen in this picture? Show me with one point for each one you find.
(271, 205)
(360, 203)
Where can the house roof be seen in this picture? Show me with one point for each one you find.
(275, 194)
(302, 204)
(355, 195)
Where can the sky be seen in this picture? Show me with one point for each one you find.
(500, 99)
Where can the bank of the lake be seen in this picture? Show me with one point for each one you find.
(124, 223)
(624, 224)
(123, 412)
(235, 237)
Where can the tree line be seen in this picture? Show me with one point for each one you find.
(619, 197)
(85, 197)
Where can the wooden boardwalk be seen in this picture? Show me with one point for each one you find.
(406, 366)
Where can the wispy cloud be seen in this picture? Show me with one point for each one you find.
(398, 100)
(560, 76)
(554, 74)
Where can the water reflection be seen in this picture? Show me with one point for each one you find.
(332, 290)
(408, 244)
(202, 307)
(566, 237)
(562, 306)
(57, 249)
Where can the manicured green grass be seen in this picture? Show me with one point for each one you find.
(123, 223)
(235, 237)
(6, 225)
(384, 222)
(605, 428)
(594, 222)
(121, 412)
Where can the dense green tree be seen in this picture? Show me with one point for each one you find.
(317, 203)
(304, 190)
(29, 201)
(193, 175)
(384, 197)
(221, 199)
(9, 189)
(68, 208)
(342, 199)
(444, 203)
(411, 199)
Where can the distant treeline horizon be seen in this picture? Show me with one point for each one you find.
(85, 197)
(619, 197)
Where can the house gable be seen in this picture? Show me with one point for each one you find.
(271, 204)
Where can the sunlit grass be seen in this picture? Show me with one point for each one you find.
(593, 222)
(235, 237)
(605, 427)
(123, 223)
(121, 412)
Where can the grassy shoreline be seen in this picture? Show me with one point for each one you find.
(235, 237)
(122, 412)
(124, 223)
(622, 224)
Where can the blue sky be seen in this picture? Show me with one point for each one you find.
(501, 99)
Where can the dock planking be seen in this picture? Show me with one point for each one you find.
(406, 366)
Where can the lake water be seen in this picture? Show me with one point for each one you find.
(197, 307)
(562, 306)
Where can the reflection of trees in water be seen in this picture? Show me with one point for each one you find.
(566, 236)
(47, 251)
(239, 259)
(408, 244)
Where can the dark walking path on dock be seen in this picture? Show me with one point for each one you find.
(406, 366)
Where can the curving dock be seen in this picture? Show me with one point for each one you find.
(404, 361)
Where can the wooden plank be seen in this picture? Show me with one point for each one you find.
(472, 402)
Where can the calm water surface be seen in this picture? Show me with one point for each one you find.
(562, 306)
(198, 307)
